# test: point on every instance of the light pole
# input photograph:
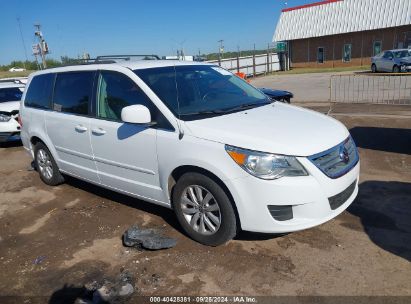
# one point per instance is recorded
(220, 51)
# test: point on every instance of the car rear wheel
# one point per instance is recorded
(373, 68)
(204, 210)
(46, 165)
(396, 69)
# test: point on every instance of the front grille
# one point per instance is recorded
(339, 199)
(281, 213)
(338, 160)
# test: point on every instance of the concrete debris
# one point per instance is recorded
(126, 290)
(39, 260)
(31, 167)
(147, 238)
(118, 290)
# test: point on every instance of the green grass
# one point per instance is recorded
(7, 74)
(323, 70)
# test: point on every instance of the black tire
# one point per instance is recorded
(52, 177)
(373, 68)
(396, 69)
(228, 224)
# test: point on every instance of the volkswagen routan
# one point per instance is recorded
(192, 137)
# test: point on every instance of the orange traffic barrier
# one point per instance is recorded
(242, 76)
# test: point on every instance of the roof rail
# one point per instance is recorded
(127, 57)
(107, 59)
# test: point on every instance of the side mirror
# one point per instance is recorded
(136, 114)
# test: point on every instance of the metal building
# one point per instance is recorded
(343, 32)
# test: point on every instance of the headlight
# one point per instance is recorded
(4, 118)
(266, 165)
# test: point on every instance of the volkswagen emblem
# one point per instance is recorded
(344, 156)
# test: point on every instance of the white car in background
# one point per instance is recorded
(10, 96)
(14, 69)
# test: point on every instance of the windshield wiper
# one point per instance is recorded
(229, 110)
(205, 112)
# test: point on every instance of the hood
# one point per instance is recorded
(9, 106)
(276, 128)
(275, 93)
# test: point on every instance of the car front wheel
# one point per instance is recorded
(204, 210)
(396, 69)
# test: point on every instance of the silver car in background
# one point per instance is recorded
(395, 61)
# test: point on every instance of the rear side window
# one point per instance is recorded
(39, 91)
(73, 92)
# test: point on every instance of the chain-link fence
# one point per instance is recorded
(378, 88)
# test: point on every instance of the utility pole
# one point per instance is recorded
(220, 51)
(41, 45)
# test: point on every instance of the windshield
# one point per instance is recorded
(401, 54)
(10, 94)
(193, 91)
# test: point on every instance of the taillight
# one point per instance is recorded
(20, 121)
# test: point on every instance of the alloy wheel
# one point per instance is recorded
(44, 164)
(200, 210)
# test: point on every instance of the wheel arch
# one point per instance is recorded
(35, 138)
(181, 170)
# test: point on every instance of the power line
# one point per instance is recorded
(22, 40)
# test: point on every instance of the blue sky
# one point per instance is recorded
(72, 27)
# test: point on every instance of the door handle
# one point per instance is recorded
(98, 131)
(80, 128)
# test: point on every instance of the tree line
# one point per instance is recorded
(33, 65)
(65, 60)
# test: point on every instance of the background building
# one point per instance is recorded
(343, 32)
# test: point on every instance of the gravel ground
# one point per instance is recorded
(54, 240)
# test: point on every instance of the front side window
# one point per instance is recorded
(116, 91)
(320, 55)
(388, 55)
(192, 91)
(376, 49)
(73, 92)
(10, 94)
(39, 91)
(347, 52)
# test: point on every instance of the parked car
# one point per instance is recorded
(274, 95)
(396, 61)
(15, 69)
(194, 138)
(278, 95)
(10, 96)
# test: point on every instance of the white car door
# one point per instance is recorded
(68, 126)
(125, 154)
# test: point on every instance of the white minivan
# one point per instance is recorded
(192, 137)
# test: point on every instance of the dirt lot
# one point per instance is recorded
(74, 231)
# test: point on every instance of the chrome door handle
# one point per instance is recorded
(80, 128)
(98, 131)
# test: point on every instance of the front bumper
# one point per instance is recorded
(9, 131)
(308, 196)
(7, 136)
(406, 68)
